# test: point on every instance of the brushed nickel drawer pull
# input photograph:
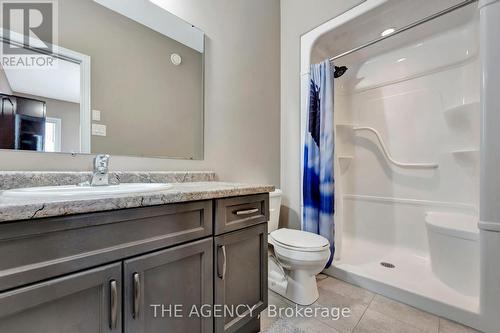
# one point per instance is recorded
(137, 295)
(224, 263)
(113, 302)
(247, 212)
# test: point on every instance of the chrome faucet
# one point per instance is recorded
(100, 176)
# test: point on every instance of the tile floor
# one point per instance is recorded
(370, 313)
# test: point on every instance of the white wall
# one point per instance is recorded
(421, 120)
(4, 83)
(297, 18)
(241, 103)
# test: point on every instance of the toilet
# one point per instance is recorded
(295, 258)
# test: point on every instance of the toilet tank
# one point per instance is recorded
(274, 210)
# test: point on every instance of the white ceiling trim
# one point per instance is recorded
(158, 19)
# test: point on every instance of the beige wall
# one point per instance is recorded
(297, 18)
(150, 106)
(241, 99)
(69, 113)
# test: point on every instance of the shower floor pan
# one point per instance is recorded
(400, 274)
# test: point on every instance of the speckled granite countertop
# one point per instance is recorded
(18, 179)
(187, 186)
(21, 209)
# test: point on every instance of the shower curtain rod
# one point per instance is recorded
(405, 28)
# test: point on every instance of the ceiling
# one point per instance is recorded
(61, 82)
(369, 26)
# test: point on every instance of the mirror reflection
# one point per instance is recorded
(117, 80)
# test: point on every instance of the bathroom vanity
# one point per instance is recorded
(167, 267)
(122, 251)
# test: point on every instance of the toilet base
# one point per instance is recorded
(299, 286)
(302, 288)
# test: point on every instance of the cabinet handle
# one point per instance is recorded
(113, 302)
(247, 212)
(224, 262)
(137, 295)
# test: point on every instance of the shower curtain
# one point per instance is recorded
(318, 178)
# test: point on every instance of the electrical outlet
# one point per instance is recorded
(98, 130)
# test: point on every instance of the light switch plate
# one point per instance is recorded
(98, 129)
(96, 115)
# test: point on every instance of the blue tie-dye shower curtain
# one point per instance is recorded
(318, 179)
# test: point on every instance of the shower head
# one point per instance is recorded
(339, 71)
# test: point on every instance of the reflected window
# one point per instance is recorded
(53, 135)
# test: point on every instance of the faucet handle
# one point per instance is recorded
(101, 163)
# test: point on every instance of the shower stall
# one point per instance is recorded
(414, 160)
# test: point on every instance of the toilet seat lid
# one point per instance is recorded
(300, 239)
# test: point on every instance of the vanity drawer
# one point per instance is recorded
(240, 212)
(37, 250)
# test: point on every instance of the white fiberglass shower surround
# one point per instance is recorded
(416, 152)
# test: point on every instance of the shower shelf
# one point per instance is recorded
(467, 107)
(466, 153)
(344, 161)
(388, 155)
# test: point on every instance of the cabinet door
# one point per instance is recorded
(7, 121)
(240, 276)
(86, 302)
(162, 288)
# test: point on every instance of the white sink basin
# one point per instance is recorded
(82, 192)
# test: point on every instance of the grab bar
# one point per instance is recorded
(388, 155)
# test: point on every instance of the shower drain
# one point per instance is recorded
(388, 265)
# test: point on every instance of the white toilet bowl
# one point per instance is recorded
(298, 257)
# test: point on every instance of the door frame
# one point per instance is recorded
(58, 132)
(84, 61)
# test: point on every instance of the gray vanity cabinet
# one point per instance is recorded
(85, 302)
(236, 213)
(164, 290)
(141, 270)
(241, 277)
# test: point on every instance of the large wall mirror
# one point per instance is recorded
(122, 77)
